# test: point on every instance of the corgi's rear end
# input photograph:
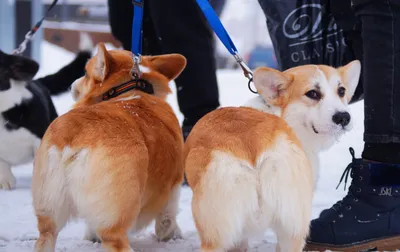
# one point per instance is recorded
(250, 170)
(244, 181)
(117, 163)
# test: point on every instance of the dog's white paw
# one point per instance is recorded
(7, 180)
(167, 229)
(90, 235)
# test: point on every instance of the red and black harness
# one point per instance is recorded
(138, 84)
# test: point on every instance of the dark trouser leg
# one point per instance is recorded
(176, 26)
(351, 27)
(218, 6)
(120, 14)
(381, 44)
(367, 218)
(183, 29)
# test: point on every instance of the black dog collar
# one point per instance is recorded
(139, 84)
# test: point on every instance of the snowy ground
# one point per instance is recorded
(18, 224)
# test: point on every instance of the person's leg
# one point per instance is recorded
(369, 216)
(176, 27)
(183, 29)
(120, 20)
(120, 15)
(218, 6)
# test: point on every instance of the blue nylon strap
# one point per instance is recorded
(137, 27)
(217, 26)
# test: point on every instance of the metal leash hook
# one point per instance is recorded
(22, 47)
(29, 35)
(246, 71)
(135, 71)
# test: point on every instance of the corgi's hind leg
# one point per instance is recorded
(288, 242)
(242, 247)
(166, 226)
(220, 210)
(50, 199)
(113, 222)
(113, 199)
(48, 229)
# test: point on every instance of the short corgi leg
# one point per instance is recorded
(243, 247)
(115, 197)
(219, 209)
(115, 239)
(50, 200)
(91, 235)
(48, 229)
(286, 242)
(206, 248)
(166, 226)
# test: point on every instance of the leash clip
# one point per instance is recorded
(138, 3)
(135, 72)
(246, 71)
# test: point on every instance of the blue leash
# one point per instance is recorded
(223, 35)
(136, 47)
(212, 19)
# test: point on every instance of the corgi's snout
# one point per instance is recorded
(341, 118)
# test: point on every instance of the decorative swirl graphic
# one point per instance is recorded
(301, 24)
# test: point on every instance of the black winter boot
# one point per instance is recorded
(367, 218)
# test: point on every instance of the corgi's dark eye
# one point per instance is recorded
(341, 92)
(314, 95)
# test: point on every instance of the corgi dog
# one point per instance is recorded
(115, 160)
(254, 167)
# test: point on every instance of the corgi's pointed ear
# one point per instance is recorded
(169, 65)
(102, 63)
(271, 84)
(350, 74)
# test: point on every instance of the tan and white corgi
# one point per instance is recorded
(115, 159)
(251, 170)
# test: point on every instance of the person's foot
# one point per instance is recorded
(367, 218)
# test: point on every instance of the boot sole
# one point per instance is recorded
(385, 244)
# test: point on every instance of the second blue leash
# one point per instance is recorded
(136, 47)
(223, 35)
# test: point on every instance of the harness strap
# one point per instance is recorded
(138, 84)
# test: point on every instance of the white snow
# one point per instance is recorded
(18, 224)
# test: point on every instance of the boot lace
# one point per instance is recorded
(350, 197)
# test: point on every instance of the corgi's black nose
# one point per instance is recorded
(341, 118)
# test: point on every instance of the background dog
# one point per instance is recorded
(26, 107)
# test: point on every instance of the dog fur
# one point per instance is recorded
(118, 163)
(255, 167)
(26, 107)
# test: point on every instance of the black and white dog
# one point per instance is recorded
(26, 107)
